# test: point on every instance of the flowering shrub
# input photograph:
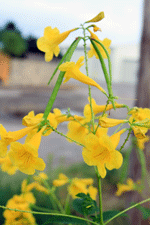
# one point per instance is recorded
(89, 131)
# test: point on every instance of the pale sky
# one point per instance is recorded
(122, 23)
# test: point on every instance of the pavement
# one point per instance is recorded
(16, 102)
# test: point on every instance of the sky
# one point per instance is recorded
(122, 23)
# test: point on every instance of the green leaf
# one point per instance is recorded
(85, 205)
(66, 219)
(67, 56)
(145, 211)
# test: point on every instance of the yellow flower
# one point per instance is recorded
(78, 186)
(8, 137)
(98, 108)
(97, 18)
(138, 115)
(125, 187)
(29, 197)
(100, 151)
(141, 142)
(7, 165)
(25, 187)
(72, 71)
(106, 42)
(39, 187)
(25, 156)
(32, 120)
(95, 28)
(62, 180)
(16, 217)
(42, 176)
(107, 122)
(92, 192)
(49, 43)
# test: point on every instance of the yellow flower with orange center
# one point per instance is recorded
(49, 43)
(106, 42)
(100, 150)
(72, 71)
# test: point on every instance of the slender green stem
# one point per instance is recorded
(87, 73)
(143, 165)
(131, 207)
(108, 57)
(66, 136)
(50, 214)
(42, 208)
(67, 202)
(130, 130)
(100, 196)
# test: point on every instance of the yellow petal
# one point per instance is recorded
(107, 122)
(115, 138)
(97, 18)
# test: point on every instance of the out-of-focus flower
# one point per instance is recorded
(49, 43)
(101, 151)
(125, 187)
(78, 186)
(95, 28)
(62, 180)
(72, 71)
(92, 192)
(7, 165)
(108, 122)
(42, 176)
(141, 142)
(25, 156)
(106, 42)
(16, 217)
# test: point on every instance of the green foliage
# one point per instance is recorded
(84, 204)
(13, 44)
(145, 211)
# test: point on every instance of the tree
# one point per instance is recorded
(143, 100)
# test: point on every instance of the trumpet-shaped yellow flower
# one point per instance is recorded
(100, 151)
(107, 122)
(106, 42)
(33, 120)
(8, 137)
(62, 180)
(125, 187)
(49, 43)
(72, 71)
(141, 142)
(78, 186)
(7, 165)
(25, 156)
(41, 177)
(98, 108)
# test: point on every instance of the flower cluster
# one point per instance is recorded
(76, 185)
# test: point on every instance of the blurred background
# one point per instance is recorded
(24, 73)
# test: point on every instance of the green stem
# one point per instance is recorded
(42, 208)
(108, 57)
(111, 97)
(87, 73)
(143, 165)
(130, 130)
(100, 197)
(53, 95)
(59, 80)
(131, 207)
(66, 136)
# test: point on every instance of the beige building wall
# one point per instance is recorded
(32, 71)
